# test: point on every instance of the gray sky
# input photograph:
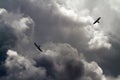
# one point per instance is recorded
(73, 48)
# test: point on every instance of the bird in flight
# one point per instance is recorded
(38, 47)
(97, 21)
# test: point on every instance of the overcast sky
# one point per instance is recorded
(73, 47)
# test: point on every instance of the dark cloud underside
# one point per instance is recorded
(73, 48)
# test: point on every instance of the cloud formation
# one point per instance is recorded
(74, 48)
(64, 66)
(97, 38)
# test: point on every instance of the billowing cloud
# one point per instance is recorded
(19, 67)
(22, 27)
(73, 48)
(49, 66)
(16, 20)
(97, 38)
(45, 66)
(12, 29)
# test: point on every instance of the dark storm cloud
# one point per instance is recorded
(7, 41)
(74, 70)
(55, 63)
(45, 66)
(60, 66)
(70, 69)
(53, 23)
(9, 34)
